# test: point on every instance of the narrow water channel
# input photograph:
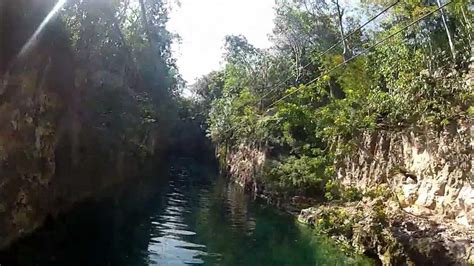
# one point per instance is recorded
(195, 219)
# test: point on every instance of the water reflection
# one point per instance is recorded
(197, 219)
(172, 240)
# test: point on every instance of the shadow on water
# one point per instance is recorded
(194, 218)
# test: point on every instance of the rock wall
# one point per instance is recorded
(51, 156)
(430, 170)
(244, 164)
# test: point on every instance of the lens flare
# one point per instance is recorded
(40, 28)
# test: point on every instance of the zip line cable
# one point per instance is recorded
(337, 43)
(352, 58)
(363, 52)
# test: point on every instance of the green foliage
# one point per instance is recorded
(415, 78)
(336, 221)
(381, 190)
(304, 174)
(334, 191)
(124, 71)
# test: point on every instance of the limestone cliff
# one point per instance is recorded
(244, 165)
(68, 129)
(430, 170)
(422, 182)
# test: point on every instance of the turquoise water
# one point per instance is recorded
(195, 219)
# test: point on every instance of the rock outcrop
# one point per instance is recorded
(244, 164)
(430, 170)
(378, 228)
(426, 214)
(55, 150)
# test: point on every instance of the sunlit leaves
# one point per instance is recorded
(408, 80)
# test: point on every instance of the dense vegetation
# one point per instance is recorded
(101, 72)
(124, 61)
(304, 101)
(88, 97)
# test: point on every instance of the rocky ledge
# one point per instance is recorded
(391, 235)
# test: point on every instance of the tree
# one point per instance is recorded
(284, 100)
(448, 33)
(340, 15)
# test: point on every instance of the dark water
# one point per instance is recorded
(194, 219)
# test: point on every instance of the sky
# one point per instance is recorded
(203, 24)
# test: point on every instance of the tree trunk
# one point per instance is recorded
(448, 33)
(340, 15)
(146, 26)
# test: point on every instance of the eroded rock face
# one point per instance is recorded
(50, 155)
(36, 114)
(378, 228)
(244, 164)
(432, 170)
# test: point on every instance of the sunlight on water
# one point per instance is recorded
(196, 218)
(40, 28)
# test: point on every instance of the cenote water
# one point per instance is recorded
(194, 218)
